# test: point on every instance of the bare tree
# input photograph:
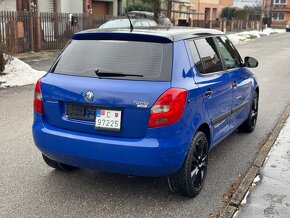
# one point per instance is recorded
(156, 9)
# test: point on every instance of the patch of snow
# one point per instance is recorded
(244, 201)
(242, 37)
(257, 179)
(271, 31)
(18, 73)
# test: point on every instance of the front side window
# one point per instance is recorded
(209, 55)
(231, 56)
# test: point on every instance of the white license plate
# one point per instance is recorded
(108, 119)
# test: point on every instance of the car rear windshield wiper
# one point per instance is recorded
(108, 73)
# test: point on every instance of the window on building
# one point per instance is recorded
(278, 16)
(280, 2)
(50, 6)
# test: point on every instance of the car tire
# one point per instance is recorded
(250, 124)
(57, 165)
(188, 181)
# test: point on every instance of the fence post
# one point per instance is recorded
(31, 31)
(38, 27)
(14, 37)
(210, 24)
(224, 26)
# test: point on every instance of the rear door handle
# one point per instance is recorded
(208, 92)
(235, 84)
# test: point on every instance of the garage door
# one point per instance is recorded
(100, 8)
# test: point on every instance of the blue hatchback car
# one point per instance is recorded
(146, 103)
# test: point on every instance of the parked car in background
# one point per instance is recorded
(146, 103)
(288, 26)
(163, 20)
(125, 23)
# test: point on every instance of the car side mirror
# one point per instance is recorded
(251, 62)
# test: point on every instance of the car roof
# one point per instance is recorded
(171, 34)
(145, 13)
(134, 18)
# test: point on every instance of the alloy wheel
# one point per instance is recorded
(199, 163)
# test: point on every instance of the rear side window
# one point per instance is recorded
(209, 55)
(195, 56)
(84, 57)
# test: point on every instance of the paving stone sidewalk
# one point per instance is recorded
(271, 196)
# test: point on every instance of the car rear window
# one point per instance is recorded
(84, 57)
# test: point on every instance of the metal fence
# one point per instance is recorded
(227, 26)
(29, 31)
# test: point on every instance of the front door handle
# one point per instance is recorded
(208, 92)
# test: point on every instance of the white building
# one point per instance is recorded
(99, 7)
(243, 3)
(7, 5)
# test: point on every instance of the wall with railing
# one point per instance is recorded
(28, 31)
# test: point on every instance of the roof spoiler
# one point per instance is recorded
(126, 36)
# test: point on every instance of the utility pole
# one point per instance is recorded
(169, 8)
(262, 13)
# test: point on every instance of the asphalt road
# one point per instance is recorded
(28, 188)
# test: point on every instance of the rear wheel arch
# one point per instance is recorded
(206, 130)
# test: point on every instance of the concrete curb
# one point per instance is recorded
(234, 203)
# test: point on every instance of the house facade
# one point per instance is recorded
(103, 7)
(201, 9)
(278, 10)
(211, 9)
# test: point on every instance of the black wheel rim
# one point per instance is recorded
(254, 111)
(199, 163)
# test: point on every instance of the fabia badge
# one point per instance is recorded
(141, 104)
(89, 96)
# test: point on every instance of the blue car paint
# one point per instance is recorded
(221, 84)
(182, 76)
(141, 150)
(154, 155)
(114, 93)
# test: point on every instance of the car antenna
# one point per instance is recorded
(131, 25)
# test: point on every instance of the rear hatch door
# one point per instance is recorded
(106, 87)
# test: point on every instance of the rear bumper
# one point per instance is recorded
(150, 156)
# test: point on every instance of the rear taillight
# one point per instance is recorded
(168, 108)
(38, 107)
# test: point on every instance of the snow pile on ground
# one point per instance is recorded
(18, 73)
(242, 37)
